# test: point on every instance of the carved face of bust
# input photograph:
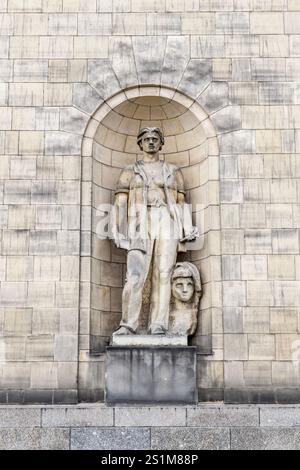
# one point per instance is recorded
(150, 142)
(183, 288)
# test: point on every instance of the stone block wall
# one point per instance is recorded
(96, 427)
(62, 62)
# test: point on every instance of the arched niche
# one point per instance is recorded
(109, 144)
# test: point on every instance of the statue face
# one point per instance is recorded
(183, 288)
(150, 142)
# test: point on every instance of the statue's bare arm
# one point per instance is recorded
(121, 209)
(121, 203)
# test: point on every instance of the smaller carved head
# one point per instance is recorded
(186, 284)
(183, 288)
(150, 139)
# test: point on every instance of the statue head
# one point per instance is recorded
(183, 288)
(150, 139)
(186, 292)
(186, 284)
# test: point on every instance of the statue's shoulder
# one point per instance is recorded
(125, 177)
(172, 168)
(128, 169)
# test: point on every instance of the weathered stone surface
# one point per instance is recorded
(195, 21)
(267, 23)
(202, 69)
(227, 119)
(129, 24)
(154, 416)
(196, 438)
(145, 375)
(227, 22)
(31, 70)
(62, 143)
(210, 417)
(94, 24)
(148, 340)
(85, 97)
(110, 439)
(102, 77)
(276, 416)
(237, 142)
(265, 439)
(214, 97)
(14, 417)
(149, 67)
(91, 427)
(89, 47)
(122, 60)
(72, 120)
(81, 416)
(34, 439)
(236, 347)
(175, 60)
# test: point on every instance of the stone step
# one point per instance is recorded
(98, 427)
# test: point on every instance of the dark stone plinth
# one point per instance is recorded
(267, 395)
(151, 375)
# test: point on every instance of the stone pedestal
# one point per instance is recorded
(149, 340)
(151, 375)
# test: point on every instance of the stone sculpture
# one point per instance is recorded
(152, 222)
(186, 293)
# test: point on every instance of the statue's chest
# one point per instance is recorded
(153, 178)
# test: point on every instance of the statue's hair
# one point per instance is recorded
(186, 269)
(144, 130)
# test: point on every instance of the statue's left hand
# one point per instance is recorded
(191, 235)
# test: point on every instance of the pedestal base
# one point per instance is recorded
(148, 375)
(148, 340)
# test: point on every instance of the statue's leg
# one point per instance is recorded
(164, 259)
(137, 270)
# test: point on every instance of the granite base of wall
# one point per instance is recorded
(97, 427)
(283, 395)
(47, 397)
(259, 396)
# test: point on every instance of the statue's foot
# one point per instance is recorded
(157, 330)
(123, 331)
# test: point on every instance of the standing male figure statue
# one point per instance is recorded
(151, 222)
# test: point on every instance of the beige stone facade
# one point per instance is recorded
(77, 81)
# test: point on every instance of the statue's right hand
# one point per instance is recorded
(123, 243)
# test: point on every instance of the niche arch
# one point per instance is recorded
(109, 144)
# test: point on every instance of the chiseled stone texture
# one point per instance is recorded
(276, 416)
(110, 438)
(34, 439)
(154, 416)
(97, 427)
(196, 438)
(77, 417)
(150, 375)
(265, 439)
(18, 417)
(208, 417)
